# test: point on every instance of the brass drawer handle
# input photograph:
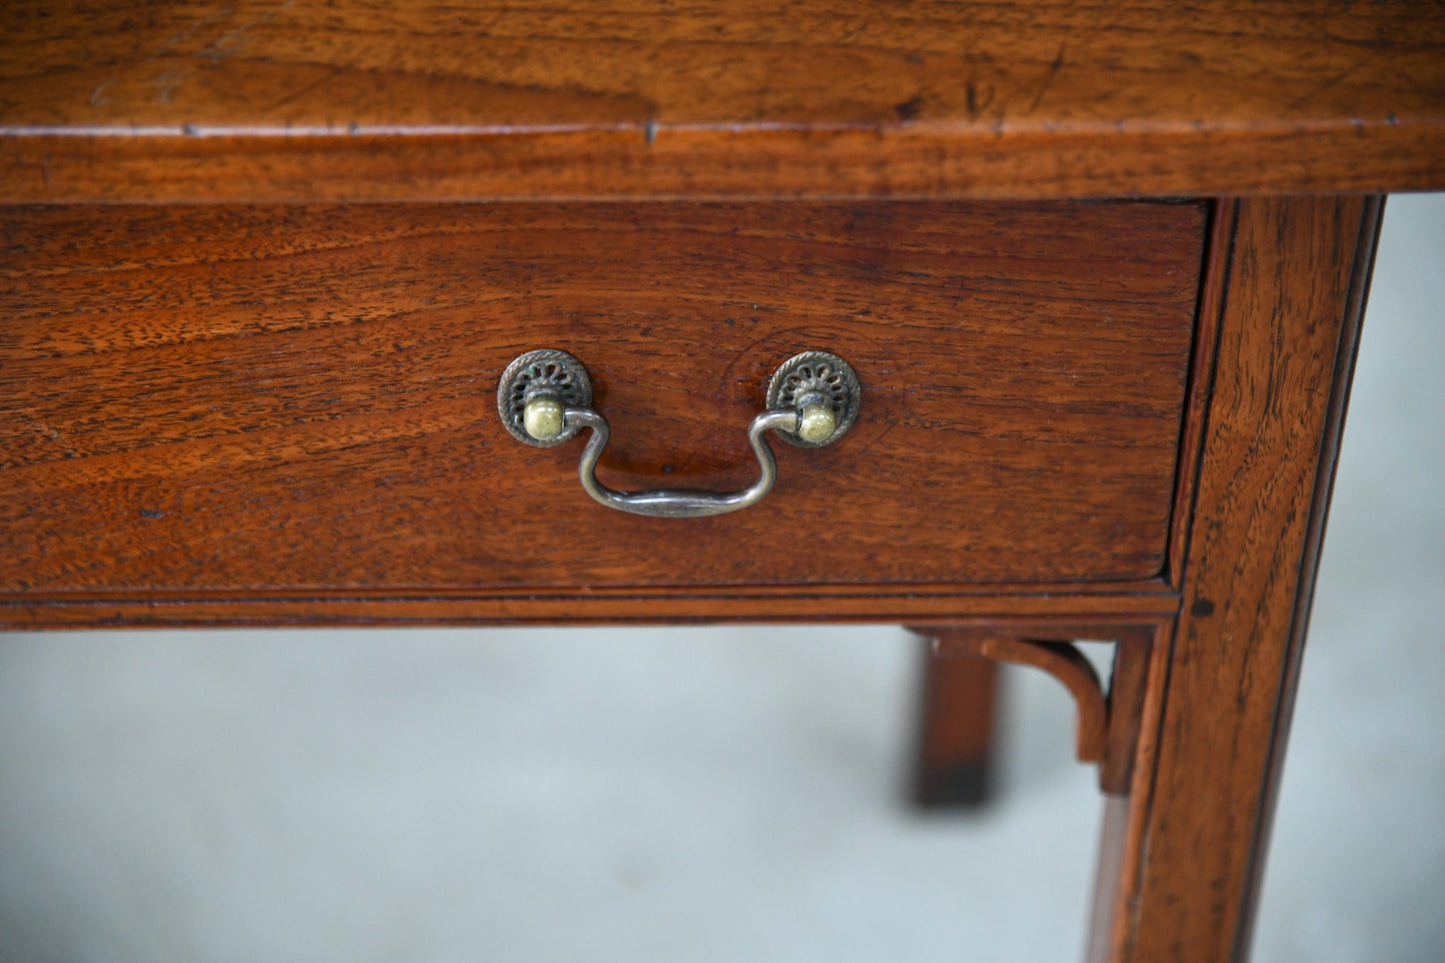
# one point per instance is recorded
(545, 398)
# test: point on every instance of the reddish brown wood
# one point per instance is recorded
(292, 401)
(1059, 659)
(886, 604)
(1119, 844)
(1193, 841)
(957, 705)
(1128, 683)
(1115, 852)
(953, 760)
(235, 414)
(827, 98)
(1201, 372)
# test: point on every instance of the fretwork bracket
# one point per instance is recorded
(1108, 716)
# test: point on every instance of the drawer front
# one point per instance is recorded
(294, 398)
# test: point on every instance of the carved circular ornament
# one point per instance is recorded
(816, 377)
(544, 373)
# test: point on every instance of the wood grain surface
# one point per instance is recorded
(955, 733)
(1062, 660)
(303, 398)
(953, 754)
(355, 100)
(881, 604)
(1198, 817)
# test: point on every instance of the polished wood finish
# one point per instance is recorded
(1193, 836)
(219, 413)
(206, 402)
(1059, 659)
(349, 100)
(1134, 651)
(953, 761)
(656, 605)
(1201, 373)
(1110, 716)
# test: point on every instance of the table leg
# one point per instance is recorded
(1183, 855)
(954, 757)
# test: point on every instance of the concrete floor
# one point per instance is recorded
(704, 795)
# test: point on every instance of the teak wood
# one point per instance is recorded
(1085, 415)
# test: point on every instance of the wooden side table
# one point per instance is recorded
(1099, 277)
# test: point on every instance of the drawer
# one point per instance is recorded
(229, 399)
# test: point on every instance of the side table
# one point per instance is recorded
(270, 273)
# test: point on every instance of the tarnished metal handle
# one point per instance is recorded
(545, 398)
(683, 502)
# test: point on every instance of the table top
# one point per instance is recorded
(621, 98)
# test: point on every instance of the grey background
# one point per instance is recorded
(709, 795)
